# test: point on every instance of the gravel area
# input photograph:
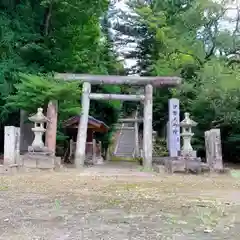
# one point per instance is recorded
(118, 202)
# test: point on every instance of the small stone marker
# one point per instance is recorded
(11, 144)
(173, 137)
(17, 145)
(214, 149)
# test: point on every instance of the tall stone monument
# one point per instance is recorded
(173, 128)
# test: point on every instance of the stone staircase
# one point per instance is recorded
(125, 146)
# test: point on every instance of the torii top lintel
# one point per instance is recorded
(118, 80)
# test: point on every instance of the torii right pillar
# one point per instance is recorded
(147, 127)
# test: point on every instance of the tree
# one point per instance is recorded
(187, 38)
(41, 37)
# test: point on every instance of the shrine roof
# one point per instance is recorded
(97, 125)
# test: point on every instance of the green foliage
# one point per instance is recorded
(41, 37)
(34, 91)
(185, 38)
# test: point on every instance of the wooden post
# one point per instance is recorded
(82, 128)
(147, 131)
(137, 154)
(71, 144)
(51, 132)
(94, 151)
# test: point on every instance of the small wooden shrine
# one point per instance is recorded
(93, 149)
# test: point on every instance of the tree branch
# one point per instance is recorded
(236, 28)
(47, 18)
(212, 35)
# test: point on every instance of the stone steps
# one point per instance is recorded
(126, 144)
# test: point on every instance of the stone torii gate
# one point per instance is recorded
(146, 98)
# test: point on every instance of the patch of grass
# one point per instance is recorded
(3, 188)
(115, 159)
(131, 186)
(113, 202)
(235, 173)
(57, 204)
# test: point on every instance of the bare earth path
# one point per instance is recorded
(112, 202)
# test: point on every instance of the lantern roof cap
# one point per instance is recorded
(39, 117)
(187, 122)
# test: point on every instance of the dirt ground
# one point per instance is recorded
(113, 202)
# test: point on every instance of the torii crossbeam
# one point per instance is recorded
(148, 82)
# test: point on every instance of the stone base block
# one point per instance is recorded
(190, 154)
(174, 166)
(186, 164)
(41, 161)
(9, 169)
(221, 171)
(159, 168)
(99, 161)
(161, 160)
(44, 163)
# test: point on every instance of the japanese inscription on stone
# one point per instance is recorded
(174, 128)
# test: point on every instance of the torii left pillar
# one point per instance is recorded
(82, 128)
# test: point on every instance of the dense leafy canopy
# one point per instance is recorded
(41, 37)
(197, 40)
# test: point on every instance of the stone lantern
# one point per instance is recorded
(39, 120)
(186, 124)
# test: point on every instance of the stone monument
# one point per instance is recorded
(173, 128)
(11, 145)
(11, 150)
(214, 149)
